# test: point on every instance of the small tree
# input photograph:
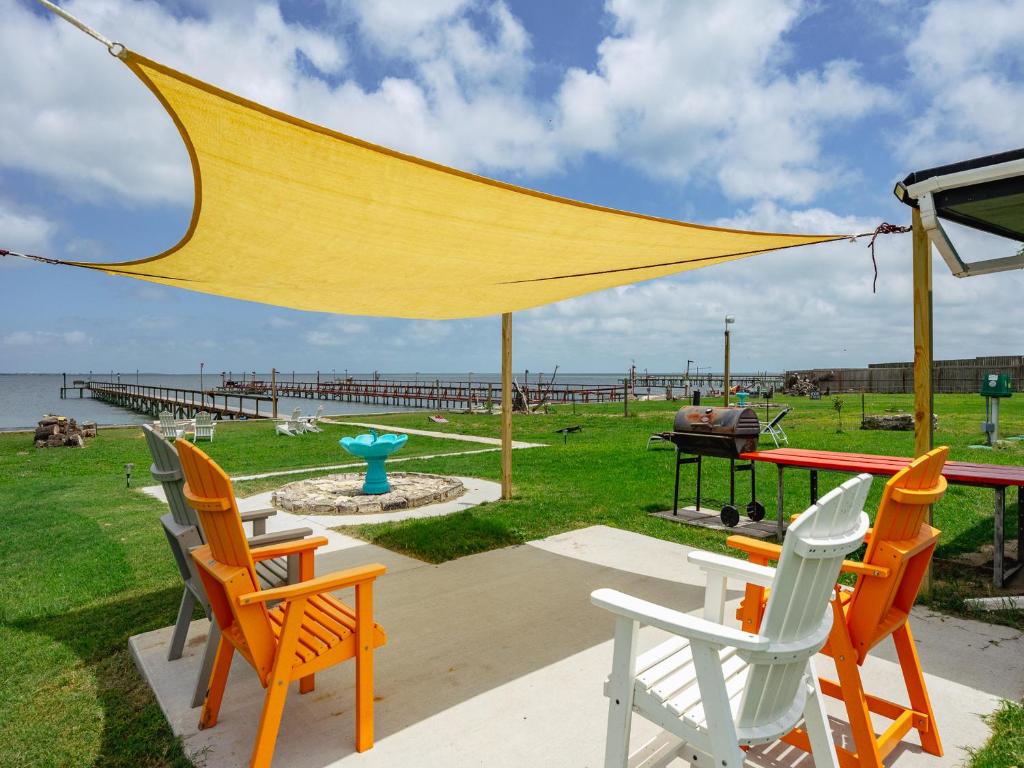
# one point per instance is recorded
(837, 403)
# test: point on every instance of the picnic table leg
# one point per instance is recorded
(814, 486)
(998, 567)
(779, 490)
(1020, 525)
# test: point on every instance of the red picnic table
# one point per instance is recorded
(994, 476)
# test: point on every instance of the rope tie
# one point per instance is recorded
(31, 257)
(885, 228)
(114, 48)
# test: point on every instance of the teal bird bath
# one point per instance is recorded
(375, 449)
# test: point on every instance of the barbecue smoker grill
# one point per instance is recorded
(723, 433)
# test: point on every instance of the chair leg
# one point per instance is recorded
(209, 654)
(819, 733)
(270, 722)
(918, 694)
(364, 667)
(218, 681)
(277, 685)
(620, 694)
(307, 684)
(845, 657)
(188, 604)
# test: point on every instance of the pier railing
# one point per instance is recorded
(182, 403)
(426, 394)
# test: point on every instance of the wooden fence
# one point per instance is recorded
(948, 376)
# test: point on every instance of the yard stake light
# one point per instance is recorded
(128, 475)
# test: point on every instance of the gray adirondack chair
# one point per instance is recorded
(184, 532)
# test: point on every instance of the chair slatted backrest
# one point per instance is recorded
(166, 468)
(901, 541)
(797, 619)
(203, 419)
(226, 565)
(167, 424)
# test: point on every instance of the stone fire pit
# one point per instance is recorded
(343, 494)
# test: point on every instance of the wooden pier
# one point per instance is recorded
(437, 394)
(181, 403)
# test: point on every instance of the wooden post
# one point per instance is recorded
(273, 391)
(506, 405)
(923, 399)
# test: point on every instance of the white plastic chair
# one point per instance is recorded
(291, 426)
(774, 427)
(205, 426)
(310, 422)
(170, 427)
(714, 689)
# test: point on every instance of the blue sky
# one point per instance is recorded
(773, 114)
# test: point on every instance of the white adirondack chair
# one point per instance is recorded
(205, 426)
(170, 427)
(311, 421)
(291, 426)
(715, 689)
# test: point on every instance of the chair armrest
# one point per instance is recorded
(257, 514)
(278, 537)
(763, 549)
(676, 622)
(864, 569)
(287, 548)
(724, 565)
(755, 547)
(317, 586)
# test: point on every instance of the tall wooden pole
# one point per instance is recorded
(506, 405)
(273, 390)
(923, 399)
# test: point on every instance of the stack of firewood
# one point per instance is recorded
(801, 385)
(60, 431)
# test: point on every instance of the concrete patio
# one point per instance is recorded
(498, 659)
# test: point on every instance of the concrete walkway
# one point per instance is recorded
(498, 660)
(445, 435)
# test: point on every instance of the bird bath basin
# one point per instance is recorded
(375, 449)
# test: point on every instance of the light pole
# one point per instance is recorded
(201, 395)
(729, 320)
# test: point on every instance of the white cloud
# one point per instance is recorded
(337, 332)
(45, 339)
(22, 230)
(697, 90)
(809, 306)
(681, 91)
(967, 61)
(78, 116)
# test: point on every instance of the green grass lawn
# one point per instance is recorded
(86, 565)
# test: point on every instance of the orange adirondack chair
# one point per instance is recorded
(899, 548)
(307, 631)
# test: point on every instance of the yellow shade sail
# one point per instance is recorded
(292, 214)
